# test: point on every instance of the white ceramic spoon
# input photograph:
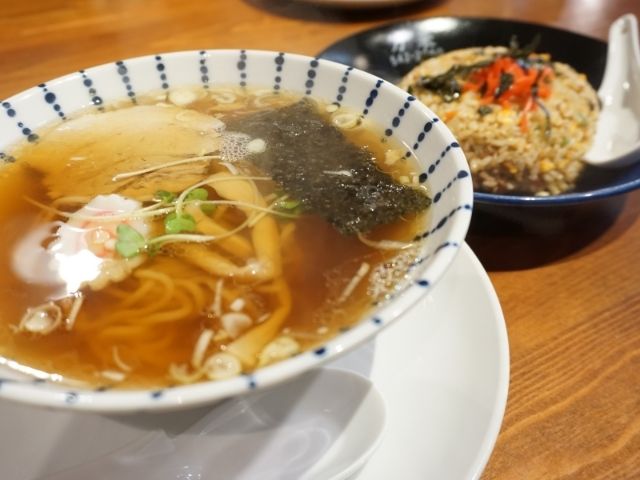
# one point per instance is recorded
(617, 139)
(322, 426)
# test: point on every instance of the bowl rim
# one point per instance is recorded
(571, 198)
(116, 400)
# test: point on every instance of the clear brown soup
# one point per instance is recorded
(150, 322)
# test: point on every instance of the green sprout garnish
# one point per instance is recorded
(129, 241)
(164, 196)
(201, 195)
(197, 194)
(174, 223)
(152, 249)
(289, 205)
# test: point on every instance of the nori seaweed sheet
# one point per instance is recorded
(302, 148)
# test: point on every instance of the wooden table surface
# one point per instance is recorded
(569, 286)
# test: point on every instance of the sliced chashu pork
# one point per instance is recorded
(83, 155)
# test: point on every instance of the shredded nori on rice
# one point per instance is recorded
(317, 165)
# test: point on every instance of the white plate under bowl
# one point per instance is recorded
(443, 372)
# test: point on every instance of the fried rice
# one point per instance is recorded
(542, 159)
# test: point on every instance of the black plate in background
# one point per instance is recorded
(391, 50)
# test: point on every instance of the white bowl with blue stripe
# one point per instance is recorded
(443, 168)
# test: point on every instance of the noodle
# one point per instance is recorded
(194, 291)
(139, 294)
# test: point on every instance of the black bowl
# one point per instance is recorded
(391, 50)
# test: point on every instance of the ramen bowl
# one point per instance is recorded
(442, 166)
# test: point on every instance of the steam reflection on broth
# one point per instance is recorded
(143, 246)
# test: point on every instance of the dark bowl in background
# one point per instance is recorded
(507, 231)
(390, 51)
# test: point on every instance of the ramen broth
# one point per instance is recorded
(165, 318)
